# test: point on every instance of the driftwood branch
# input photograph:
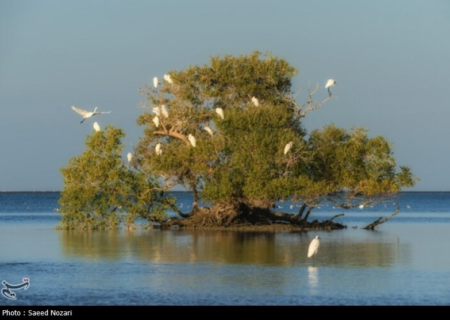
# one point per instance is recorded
(380, 220)
(336, 216)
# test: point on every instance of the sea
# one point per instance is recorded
(403, 262)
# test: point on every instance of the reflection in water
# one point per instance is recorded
(313, 278)
(231, 247)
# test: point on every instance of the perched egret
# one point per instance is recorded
(192, 140)
(155, 82)
(156, 121)
(288, 147)
(330, 83)
(87, 114)
(361, 206)
(255, 101)
(97, 127)
(129, 156)
(208, 129)
(164, 111)
(219, 111)
(168, 78)
(156, 111)
(158, 149)
(313, 247)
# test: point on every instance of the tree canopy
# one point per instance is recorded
(231, 132)
(101, 190)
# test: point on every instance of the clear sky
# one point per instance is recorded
(390, 58)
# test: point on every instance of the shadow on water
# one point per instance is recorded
(229, 247)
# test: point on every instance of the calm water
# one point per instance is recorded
(404, 262)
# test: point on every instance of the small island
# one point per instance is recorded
(231, 133)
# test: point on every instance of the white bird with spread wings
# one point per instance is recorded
(87, 114)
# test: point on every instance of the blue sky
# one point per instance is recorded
(390, 58)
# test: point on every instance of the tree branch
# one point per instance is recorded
(173, 134)
(380, 220)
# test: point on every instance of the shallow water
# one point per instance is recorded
(405, 262)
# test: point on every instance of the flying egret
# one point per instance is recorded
(97, 127)
(313, 247)
(87, 114)
(219, 111)
(208, 129)
(155, 82)
(156, 121)
(158, 149)
(129, 156)
(192, 140)
(288, 147)
(255, 101)
(164, 111)
(168, 78)
(330, 83)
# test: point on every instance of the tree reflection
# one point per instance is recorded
(230, 247)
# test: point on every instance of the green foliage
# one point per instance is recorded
(100, 190)
(240, 161)
(354, 167)
(244, 160)
(245, 155)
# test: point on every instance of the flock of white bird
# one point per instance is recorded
(163, 112)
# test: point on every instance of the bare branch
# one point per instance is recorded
(380, 220)
(336, 216)
(173, 134)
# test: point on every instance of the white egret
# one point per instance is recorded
(164, 111)
(158, 149)
(87, 114)
(208, 129)
(192, 140)
(219, 111)
(97, 127)
(330, 83)
(361, 206)
(288, 147)
(156, 121)
(313, 247)
(168, 78)
(156, 111)
(255, 101)
(155, 82)
(129, 156)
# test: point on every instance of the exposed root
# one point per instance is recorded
(242, 217)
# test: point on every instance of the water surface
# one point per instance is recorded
(404, 262)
